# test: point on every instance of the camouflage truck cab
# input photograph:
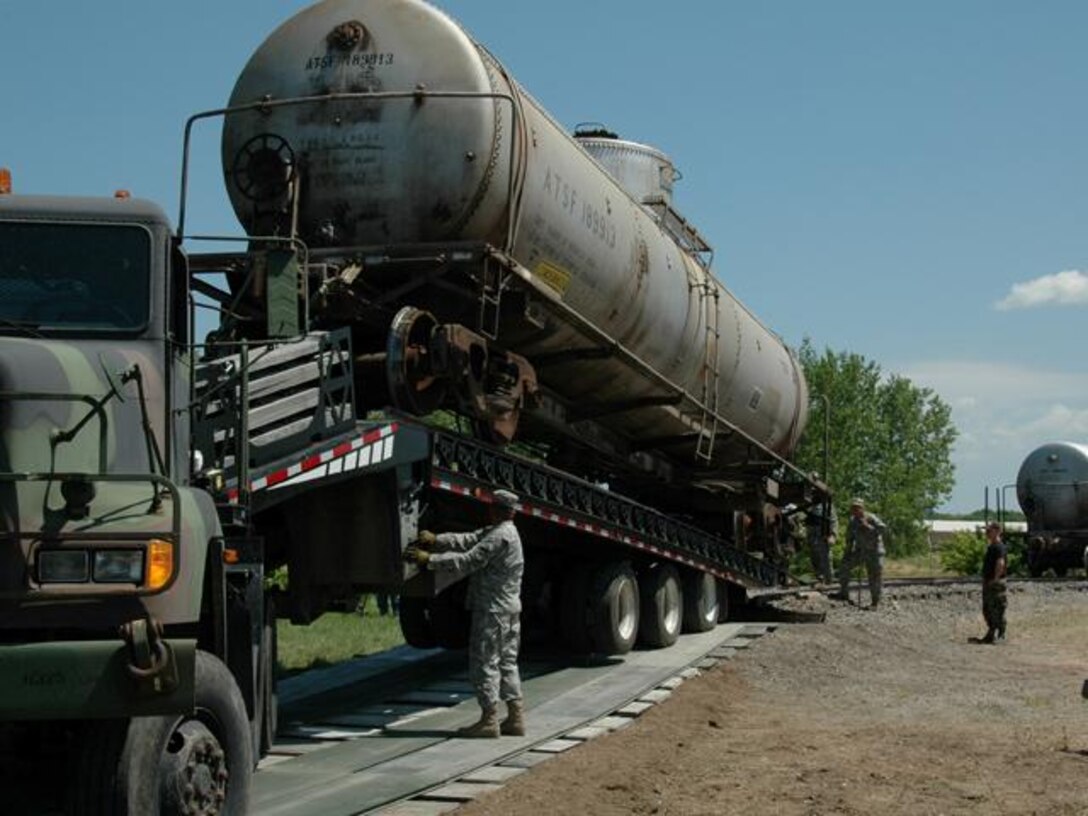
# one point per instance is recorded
(103, 542)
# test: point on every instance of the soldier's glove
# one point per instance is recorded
(426, 539)
(416, 555)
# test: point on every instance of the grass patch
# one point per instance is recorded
(925, 565)
(335, 637)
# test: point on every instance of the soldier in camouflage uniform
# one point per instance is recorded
(994, 598)
(821, 535)
(493, 558)
(865, 544)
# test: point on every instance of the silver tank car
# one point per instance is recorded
(450, 148)
(1052, 488)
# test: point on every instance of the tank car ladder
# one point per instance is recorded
(492, 282)
(708, 421)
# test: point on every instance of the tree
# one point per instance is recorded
(891, 442)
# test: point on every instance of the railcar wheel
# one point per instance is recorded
(615, 609)
(201, 763)
(701, 605)
(662, 607)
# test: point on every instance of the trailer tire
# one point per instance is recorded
(732, 598)
(141, 766)
(415, 622)
(701, 603)
(662, 607)
(573, 610)
(450, 620)
(615, 609)
(724, 609)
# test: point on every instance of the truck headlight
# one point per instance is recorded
(63, 567)
(119, 566)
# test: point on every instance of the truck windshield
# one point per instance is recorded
(74, 277)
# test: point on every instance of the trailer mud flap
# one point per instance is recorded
(87, 679)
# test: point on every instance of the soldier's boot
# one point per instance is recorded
(514, 724)
(988, 637)
(487, 726)
(1001, 632)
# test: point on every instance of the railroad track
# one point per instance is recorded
(377, 735)
(909, 587)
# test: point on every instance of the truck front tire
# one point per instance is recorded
(171, 765)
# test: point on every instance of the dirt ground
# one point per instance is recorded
(870, 712)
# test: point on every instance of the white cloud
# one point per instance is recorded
(1059, 422)
(972, 383)
(1003, 412)
(1066, 288)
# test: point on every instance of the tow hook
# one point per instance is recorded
(151, 663)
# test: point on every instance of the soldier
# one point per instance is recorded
(864, 543)
(493, 558)
(994, 599)
(821, 535)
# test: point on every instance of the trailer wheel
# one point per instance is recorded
(415, 622)
(573, 612)
(615, 606)
(662, 607)
(198, 763)
(701, 604)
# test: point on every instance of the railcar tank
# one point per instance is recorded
(447, 147)
(1052, 488)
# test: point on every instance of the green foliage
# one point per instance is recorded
(890, 442)
(276, 578)
(962, 553)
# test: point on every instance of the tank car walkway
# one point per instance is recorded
(382, 741)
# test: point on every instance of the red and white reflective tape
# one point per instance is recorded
(372, 448)
(592, 528)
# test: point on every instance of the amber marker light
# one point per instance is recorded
(122, 194)
(160, 563)
(231, 556)
(5, 181)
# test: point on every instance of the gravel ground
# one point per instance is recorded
(889, 711)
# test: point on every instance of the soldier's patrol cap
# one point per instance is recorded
(857, 503)
(505, 499)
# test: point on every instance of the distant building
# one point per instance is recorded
(941, 530)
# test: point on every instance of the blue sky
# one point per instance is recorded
(902, 180)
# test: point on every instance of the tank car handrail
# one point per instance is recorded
(617, 348)
(418, 94)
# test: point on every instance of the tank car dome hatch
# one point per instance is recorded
(643, 171)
